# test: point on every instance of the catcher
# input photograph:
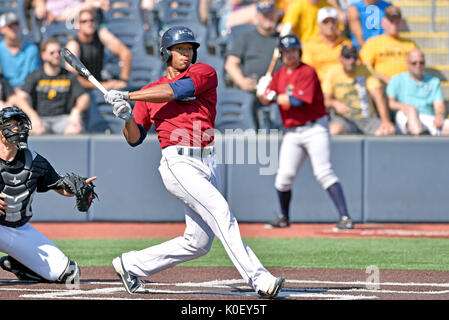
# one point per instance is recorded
(31, 255)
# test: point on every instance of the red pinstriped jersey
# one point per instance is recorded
(187, 122)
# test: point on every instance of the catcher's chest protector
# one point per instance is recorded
(19, 186)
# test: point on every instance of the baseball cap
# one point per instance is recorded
(8, 18)
(348, 50)
(265, 6)
(393, 12)
(327, 12)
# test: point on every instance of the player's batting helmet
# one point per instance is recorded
(290, 41)
(175, 35)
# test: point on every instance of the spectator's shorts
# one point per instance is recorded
(367, 126)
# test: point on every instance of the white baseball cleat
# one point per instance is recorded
(131, 283)
(274, 288)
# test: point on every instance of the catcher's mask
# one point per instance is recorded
(23, 123)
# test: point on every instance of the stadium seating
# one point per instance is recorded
(100, 118)
(234, 110)
(58, 30)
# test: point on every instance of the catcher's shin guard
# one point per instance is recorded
(10, 264)
(71, 273)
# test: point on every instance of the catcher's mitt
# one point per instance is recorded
(78, 186)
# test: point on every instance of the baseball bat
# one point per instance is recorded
(73, 60)
(285, 30)
(273, 61)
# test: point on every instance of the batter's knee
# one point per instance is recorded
(284, 181)
(199, 246)
(326, 178)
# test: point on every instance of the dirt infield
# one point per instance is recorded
(224, 283)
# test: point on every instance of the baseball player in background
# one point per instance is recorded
(31, 255)
(182, 107)
(296, 89)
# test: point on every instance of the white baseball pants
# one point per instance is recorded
(34, 250)
(194, 180)
(311, 140)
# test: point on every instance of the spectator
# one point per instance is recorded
(58, 101)
(249, 56)
(89, 46)
(323, 51)
(203, 7)
(364, 20)
(49, 11)
(418, 99)
(346, 87)
(387, 53)
(17, 57)
(301, 18)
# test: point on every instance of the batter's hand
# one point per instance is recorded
(122, 109)
(114, 95)
(262, 85)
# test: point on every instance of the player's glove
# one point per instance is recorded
(78, 186)
(262, 85)
(122, 109)
(115, 95)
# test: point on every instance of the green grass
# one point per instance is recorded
(405, 254)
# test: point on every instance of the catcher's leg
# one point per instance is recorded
(33, 252)
(10, 264)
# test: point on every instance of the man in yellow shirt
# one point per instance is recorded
(323, 51)
(301, 18)
(347, 88)
(387, 53)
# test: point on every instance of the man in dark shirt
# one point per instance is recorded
(58, 101)
(249, 55)
(6, 92)
(89, 47)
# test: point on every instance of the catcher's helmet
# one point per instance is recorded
(290, 41)
(175, 35)
(23, 122)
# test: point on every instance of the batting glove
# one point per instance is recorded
(114, 95)
(270, 95)
(122, 109)
(262, 85)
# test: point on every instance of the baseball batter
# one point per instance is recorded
(31, 255)
(182, 107)
(296, 89)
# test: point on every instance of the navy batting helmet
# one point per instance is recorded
(289, 41)
(175, 35)
(23, 122)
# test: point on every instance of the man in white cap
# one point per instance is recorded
(18, 58)
(323, 50)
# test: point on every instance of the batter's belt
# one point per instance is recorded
(196, 152)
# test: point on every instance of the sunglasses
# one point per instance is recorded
(87, 20)
(414, 63)
(350, 56)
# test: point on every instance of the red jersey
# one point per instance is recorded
(187, 122)
(303, 84)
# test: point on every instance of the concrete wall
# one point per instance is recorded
(394, 179)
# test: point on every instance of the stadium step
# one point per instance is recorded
(423, 24)
(435, 40)
(436, 56)
(417, 8)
